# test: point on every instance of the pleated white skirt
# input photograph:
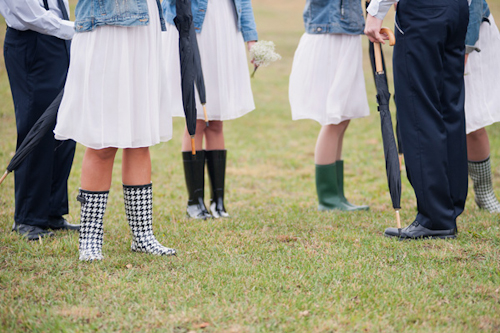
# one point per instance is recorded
(327, 83)
(114, 94)
(482, 92)
(224, 62)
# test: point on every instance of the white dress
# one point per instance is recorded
(327, 83)
(482, 71)
(224, 63)
(114, 95)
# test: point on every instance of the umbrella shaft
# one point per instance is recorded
(4, 176)
(379, 67)
(398, 219)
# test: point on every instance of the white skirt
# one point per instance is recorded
(224, 63)
(327, 83)
(482, 93)
(114, 95)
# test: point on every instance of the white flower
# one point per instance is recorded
(263, 54)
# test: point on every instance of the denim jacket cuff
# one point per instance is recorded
(250, 35)
(470, 49)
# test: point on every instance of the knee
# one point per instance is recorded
(104, 154)
(477, 136)
(215, 127)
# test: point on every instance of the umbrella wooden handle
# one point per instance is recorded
(4, 176)
(390, 34)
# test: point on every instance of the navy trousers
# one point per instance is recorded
(428, 78)
(37, 65)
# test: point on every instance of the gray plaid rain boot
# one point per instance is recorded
(480, 173)
(139, 209)
(91, 230)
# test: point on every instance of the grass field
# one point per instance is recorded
(278, 265)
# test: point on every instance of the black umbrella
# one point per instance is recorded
(390, 147)
(200, 81)
(184, 23)
(45, 123)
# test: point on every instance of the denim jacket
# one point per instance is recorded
(334, 16)
(90, 14)
(478, 12)
(244, 11)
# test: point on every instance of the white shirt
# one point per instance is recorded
(379, 8)
(32, 15)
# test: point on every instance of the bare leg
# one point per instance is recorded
(329, 144)
(97, 168)
(214, 136)
(136, 166)
(478, 145)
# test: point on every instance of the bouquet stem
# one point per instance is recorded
(254, 70)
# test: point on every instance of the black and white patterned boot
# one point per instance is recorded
(91, 230)
(480, 173)
(139, 209)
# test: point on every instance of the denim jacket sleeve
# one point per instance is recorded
(246, 19)
(475, 19)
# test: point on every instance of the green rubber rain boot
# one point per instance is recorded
(340, 179)
(330, 189)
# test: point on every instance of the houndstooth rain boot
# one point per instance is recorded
(139, 209)
(480, 173)
(91, 229)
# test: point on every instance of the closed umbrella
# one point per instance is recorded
(184, 23)
(390, 148)
(45, 123)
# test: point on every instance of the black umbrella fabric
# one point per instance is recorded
(45, 123)
(390, 147)
(200, 81)
(184, 23)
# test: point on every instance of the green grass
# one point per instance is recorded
(278, 264)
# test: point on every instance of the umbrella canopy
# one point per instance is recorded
(390, 148)
(45, 123)
(184, 23)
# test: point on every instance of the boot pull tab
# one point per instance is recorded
(81, 199)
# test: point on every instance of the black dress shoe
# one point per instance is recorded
(417, 231)
(60, 223)
(31, 232)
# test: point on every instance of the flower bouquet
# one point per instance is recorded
(263, 54)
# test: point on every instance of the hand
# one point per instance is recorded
(372, 30)
(466, 58)
(249, 46)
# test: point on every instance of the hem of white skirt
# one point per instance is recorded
(475, 128)
(324, 122)
(232, 117)
(114, 145)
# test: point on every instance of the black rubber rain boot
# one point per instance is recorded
(194, 172)
(216, 165)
